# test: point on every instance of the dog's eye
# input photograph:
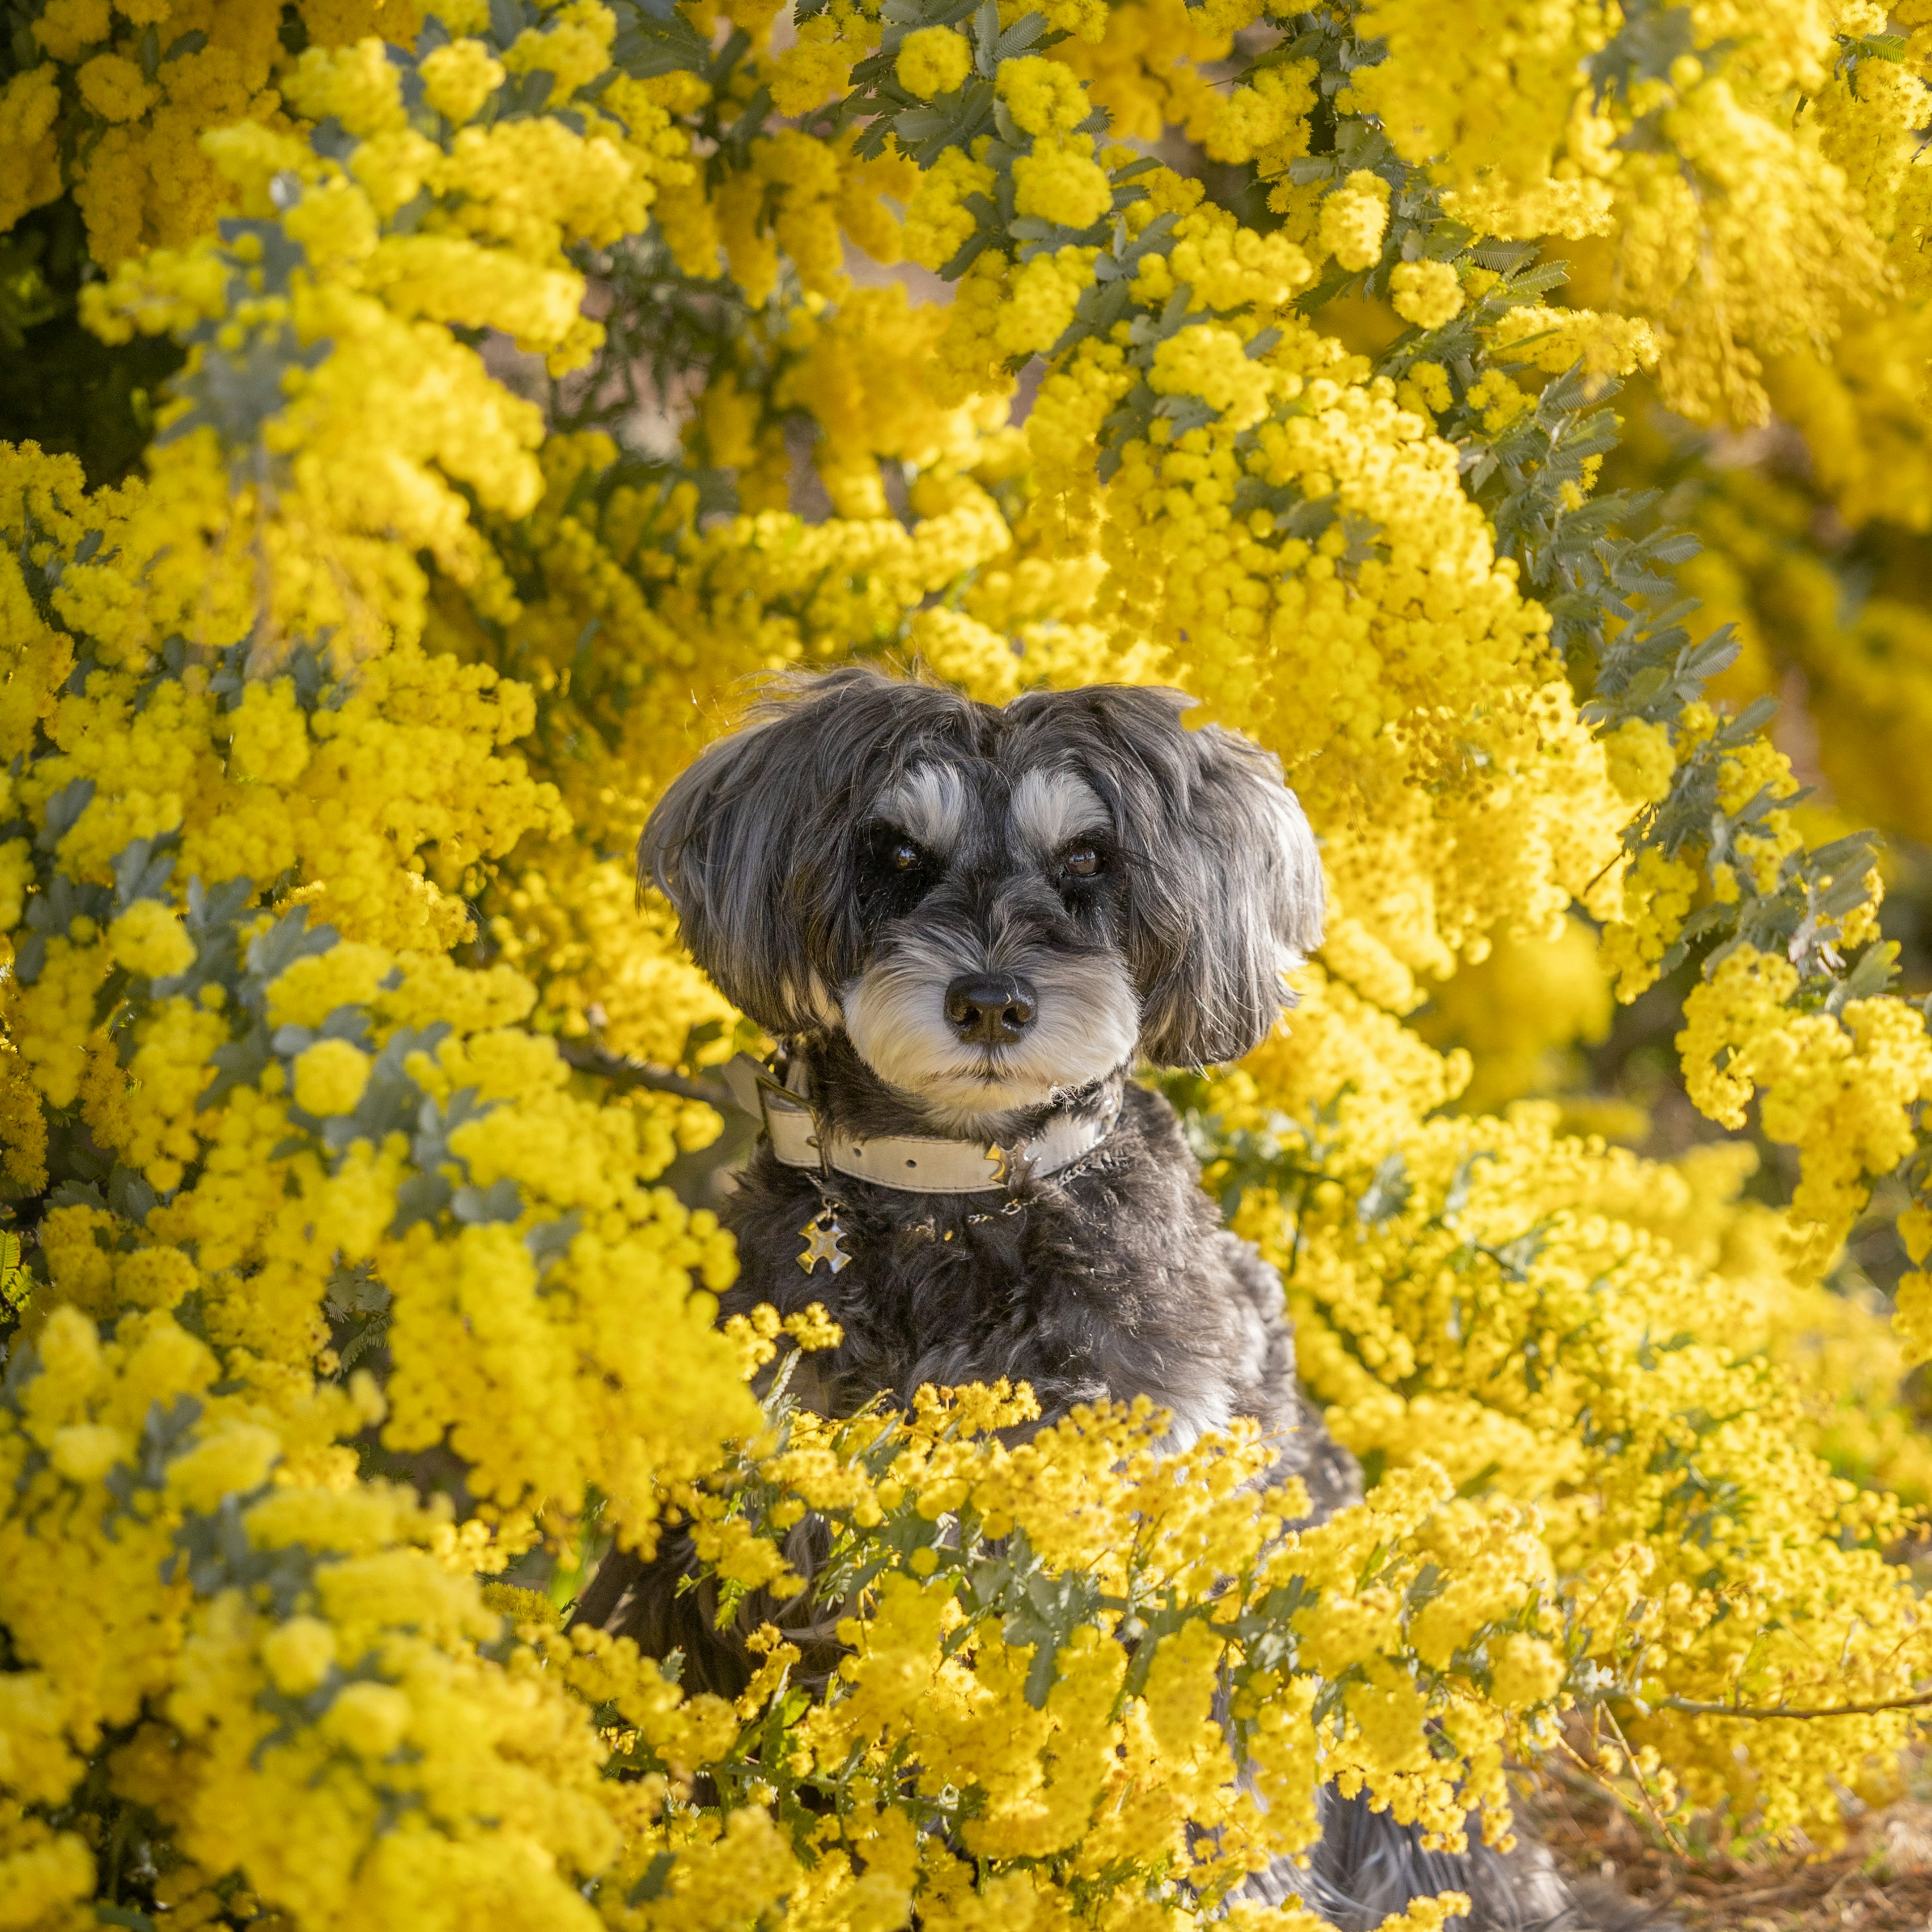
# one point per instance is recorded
(904, 854)
(1080, 862)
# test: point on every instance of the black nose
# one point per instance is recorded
(989, 1009)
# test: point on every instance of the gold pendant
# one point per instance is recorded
(823, 1234)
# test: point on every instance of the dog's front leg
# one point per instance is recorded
(654, 1601)
(667, 1608)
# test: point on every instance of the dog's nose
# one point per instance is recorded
(989, 1009)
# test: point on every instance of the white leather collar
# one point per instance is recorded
(912, 1163)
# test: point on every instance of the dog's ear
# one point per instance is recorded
(1224, 886)
(754, 843)
(724, 845)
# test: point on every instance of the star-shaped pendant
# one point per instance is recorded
(1013, 1166)
(823, 1234)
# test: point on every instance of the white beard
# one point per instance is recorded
(1087, 1020)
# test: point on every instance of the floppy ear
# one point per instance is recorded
(1225, 891)
(754, 843)
(724, 845)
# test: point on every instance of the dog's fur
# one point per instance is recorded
(837, 865)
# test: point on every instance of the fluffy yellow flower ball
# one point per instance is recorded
(1042, 97)
(84, 1451)
(48, 1878)
(1210, 362)
(369, 1718)
(1912, 1320)
(111, 85)
(154, 1277)
(330, 1077)
(458, 78)
(232, 1461)
(933, 61)
(1056, 184)
(66, 26)
(1525, 1670)
(1426, 293)
(1639, 761)
(1354, 218)
(297, 1654)
(149, 937)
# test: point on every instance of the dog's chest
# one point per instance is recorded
(1110, 1288)
(932, 1290)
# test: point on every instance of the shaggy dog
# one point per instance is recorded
(968, 925)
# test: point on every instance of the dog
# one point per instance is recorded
(968, 925)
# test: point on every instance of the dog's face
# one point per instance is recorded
(992, 904)
(997, 906)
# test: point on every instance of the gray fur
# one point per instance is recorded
(761, 845)
(1113, 1279)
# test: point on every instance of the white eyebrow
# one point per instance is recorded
(1051, 808)
(930, 803)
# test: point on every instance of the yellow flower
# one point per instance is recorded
(1212, 363)
(66, 26)
(933, 60)
(298, 1654)
(1043, 98)
(1638, 759)
(149, 937)
(1353, 218)
(1061, 185)
(1426, 293)
(84, 1452)
(112, 86)
(457, 79)
(1524, 1670)
(371, 1719)
(232, 1461)
(330, 1077)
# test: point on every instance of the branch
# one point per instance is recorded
(1690, 1708)
(1642, 1783)
(624, 1073)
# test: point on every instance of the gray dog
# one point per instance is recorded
(968, 925)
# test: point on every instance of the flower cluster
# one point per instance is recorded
(1553, 1309)
(323, 747)
(1018, 1682)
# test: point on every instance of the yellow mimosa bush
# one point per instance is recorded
(1561, 1344)
(545, 378)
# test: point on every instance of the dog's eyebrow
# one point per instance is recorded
(930, 802)
(1050, 807)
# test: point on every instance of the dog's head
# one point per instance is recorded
(996, 905)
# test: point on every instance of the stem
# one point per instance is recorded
(1691, 1709)
(1664, 1831)
(624, 1073)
